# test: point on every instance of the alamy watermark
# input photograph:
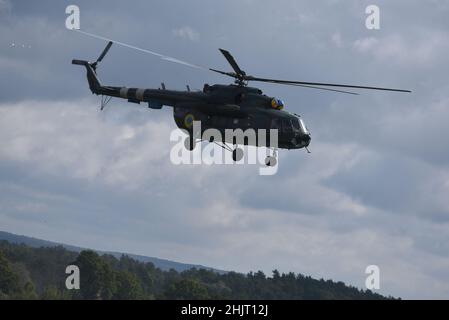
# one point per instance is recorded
(372, 22)
(372, 282)
(73, 21)
(72, 282)
(217, 151)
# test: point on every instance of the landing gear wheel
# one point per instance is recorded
(237, 154)
(189, 143)
(271, 161)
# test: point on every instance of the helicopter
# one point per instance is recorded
(224, 107)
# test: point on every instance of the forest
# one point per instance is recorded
(28, 273)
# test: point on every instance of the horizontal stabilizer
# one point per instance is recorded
(80, 62)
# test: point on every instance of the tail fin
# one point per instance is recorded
(94, 83)
(91, 68)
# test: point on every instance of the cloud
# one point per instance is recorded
(80, 143)
(5, 6)
(421, 50)
(186, 32)
(366, 44)
(337, 40)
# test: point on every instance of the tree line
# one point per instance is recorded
(39, 273)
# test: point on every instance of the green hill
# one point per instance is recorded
(159, 263)
(39, 273)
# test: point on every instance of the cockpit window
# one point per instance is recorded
(287, 125)
(295, 124)
(303, 126)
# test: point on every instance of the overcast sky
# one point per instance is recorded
(375, 189)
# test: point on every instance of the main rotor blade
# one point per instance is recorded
(163, 57)
(105, 51)
(251, 78)
(230, 74)
(327, 89)
(232, 62)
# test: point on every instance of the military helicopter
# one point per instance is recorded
(221, 107)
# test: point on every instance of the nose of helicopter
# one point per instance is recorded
(302, 140)
(306, 138)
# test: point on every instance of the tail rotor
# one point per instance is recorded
(102, 55)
